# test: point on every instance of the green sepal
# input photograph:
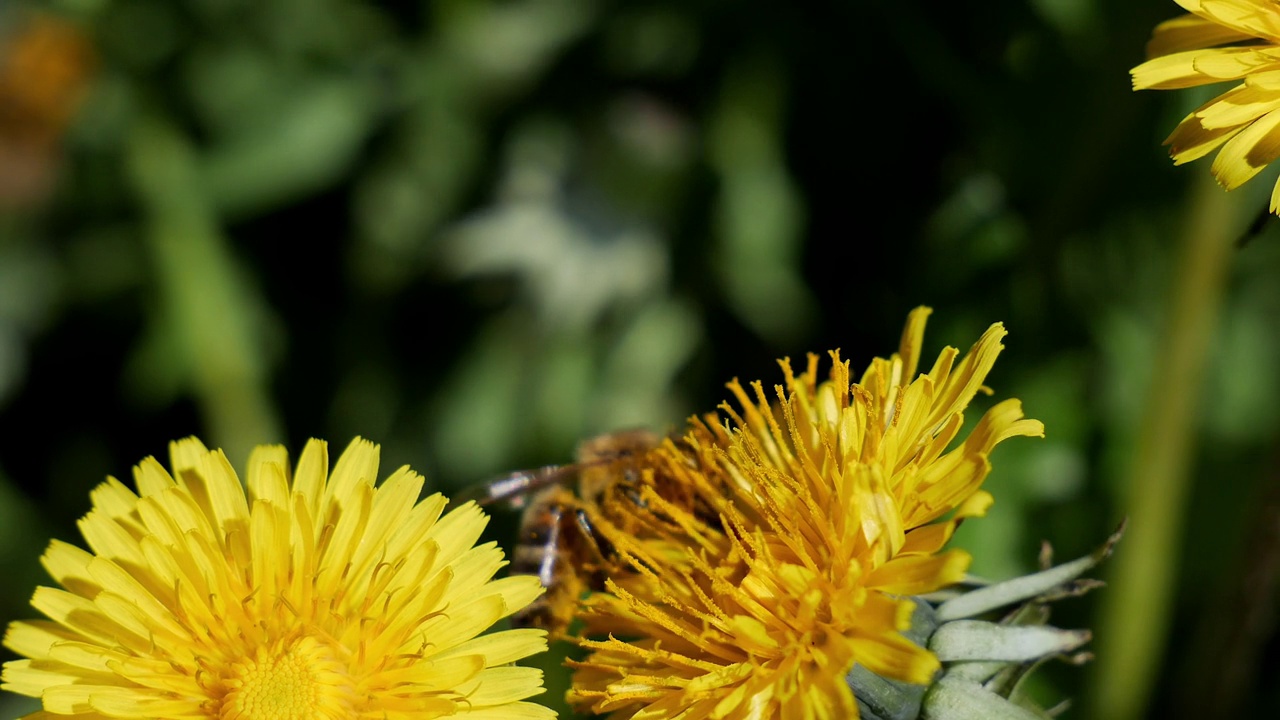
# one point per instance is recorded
(1054, 582)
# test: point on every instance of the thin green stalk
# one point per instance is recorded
(1133, 626)
(206, 307)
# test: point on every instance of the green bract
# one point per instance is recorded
(984, 662)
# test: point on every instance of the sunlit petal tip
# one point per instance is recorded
(1245, 155)
(1169, 72)
(976, 505)
(1192, 141)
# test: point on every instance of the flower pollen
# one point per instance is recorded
(300, 681)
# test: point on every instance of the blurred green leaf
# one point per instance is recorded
(310, 140)
(759, 212)
(211, 312)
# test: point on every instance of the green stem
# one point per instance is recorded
(1135, 614)
(207, 308)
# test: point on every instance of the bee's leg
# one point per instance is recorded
(538, 550)
(598, 548)
(633, 494)
(541, 553)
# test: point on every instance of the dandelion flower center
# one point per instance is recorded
(299, 681)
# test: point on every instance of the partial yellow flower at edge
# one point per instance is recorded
(317, 595)
(1220, 41)
(831, 511)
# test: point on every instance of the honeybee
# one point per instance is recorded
(560, 505)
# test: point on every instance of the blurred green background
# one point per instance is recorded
(476, 231)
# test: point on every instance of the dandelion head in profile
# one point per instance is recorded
(823, 506)
(316, 596)
(1222, 41)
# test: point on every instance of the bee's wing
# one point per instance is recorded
(513, 489)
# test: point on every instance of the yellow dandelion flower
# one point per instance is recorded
(833, 505)
(316, 596)
(1222, 41)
